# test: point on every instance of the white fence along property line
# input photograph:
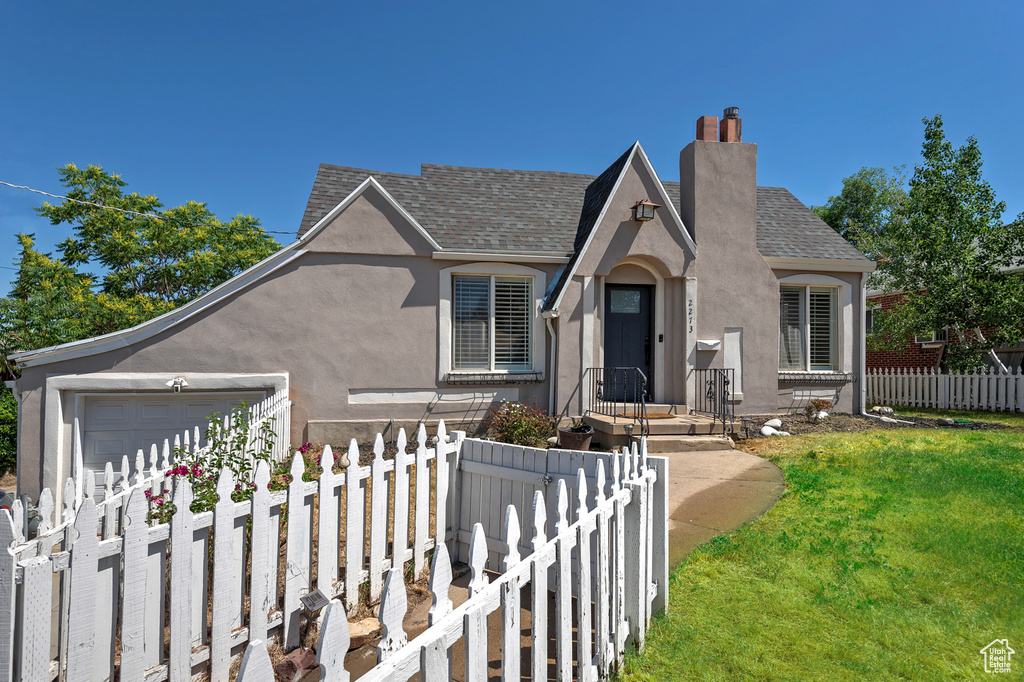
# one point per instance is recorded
(990, 390)
(611, 541)
(104, 576)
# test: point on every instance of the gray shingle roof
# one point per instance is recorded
(788, 229)
(545, 211)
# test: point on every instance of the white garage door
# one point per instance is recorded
(121, 424)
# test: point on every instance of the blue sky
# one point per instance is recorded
(236, 104)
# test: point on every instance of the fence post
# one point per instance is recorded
(354, 541)
(223, 553)
(264, 546)
(180, 662)
(510, 653)
(256, 665)
(133, 594)
(539, 591)
(378, 520)
(294, 561)
(584, 592)
(328, 543)
(563, 585)
(8, 564)
(421, 530)
(393, 605)
(475, 625)
(333, 643)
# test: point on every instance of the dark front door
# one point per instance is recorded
(628, 341)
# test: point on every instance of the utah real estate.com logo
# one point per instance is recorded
(997, 656)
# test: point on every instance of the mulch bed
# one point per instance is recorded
(797, 424)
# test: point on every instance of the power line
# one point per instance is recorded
(154, 216)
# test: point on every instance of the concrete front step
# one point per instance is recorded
(658, 444)
(673, 426)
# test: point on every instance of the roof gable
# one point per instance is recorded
(381, 225)
(599, 197)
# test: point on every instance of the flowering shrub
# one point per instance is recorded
(519, 424)
(817, 405)
(226, 447)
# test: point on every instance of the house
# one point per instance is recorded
(418, 297)
(925, 351)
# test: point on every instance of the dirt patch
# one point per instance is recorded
(9, 482)
(797, 424)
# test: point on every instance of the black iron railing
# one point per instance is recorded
(620, 392)
(714, 393)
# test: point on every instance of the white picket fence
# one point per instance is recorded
(612, 543)
(990, 390)
(136, 601)
(107, 583)
(111, 492)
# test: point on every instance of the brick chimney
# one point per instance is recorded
(731, 129)
(707, 128)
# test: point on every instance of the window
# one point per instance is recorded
(491, 323)
(931, 337)
(873, 316)
(808, 329)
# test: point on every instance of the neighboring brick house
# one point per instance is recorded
(923, 351)
(918, 353)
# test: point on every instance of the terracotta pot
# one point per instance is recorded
(575, 441)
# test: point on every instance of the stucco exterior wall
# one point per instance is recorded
(334, 322)
(735, 286)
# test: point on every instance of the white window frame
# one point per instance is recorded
(844, 320)
(445, 320)
(492, 329)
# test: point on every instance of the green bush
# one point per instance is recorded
(519, 424)
(8, 431)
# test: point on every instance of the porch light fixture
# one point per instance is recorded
(644, 210)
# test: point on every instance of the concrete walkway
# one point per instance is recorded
(716, 492)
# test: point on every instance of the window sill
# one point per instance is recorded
(492, 378)
(817, 377)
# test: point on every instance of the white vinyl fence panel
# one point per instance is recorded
(989, 390)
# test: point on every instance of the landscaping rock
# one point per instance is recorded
(885, 410)
(774, 423)
(889, 420)
(553, 441)
(296, 665)
(822, 415)
(768, 430)
(782, 433)
(947, 422)
(362, 632)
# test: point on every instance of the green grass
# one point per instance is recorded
(1013, 419)
(892, 554)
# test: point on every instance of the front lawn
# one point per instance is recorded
(892, 554)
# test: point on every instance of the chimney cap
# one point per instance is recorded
(731, 112)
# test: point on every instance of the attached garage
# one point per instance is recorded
(114, 425)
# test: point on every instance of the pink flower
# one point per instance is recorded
(158, 500)
(149, 494)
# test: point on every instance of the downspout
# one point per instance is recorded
(549, 315)
(864, 356)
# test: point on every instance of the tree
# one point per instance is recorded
(947, 247)
(151, 261)
(865, 205)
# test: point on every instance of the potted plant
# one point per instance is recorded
(577, 436)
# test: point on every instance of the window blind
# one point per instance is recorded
(791, 353)
(512, 323)
(470, 317)
(822, 326)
